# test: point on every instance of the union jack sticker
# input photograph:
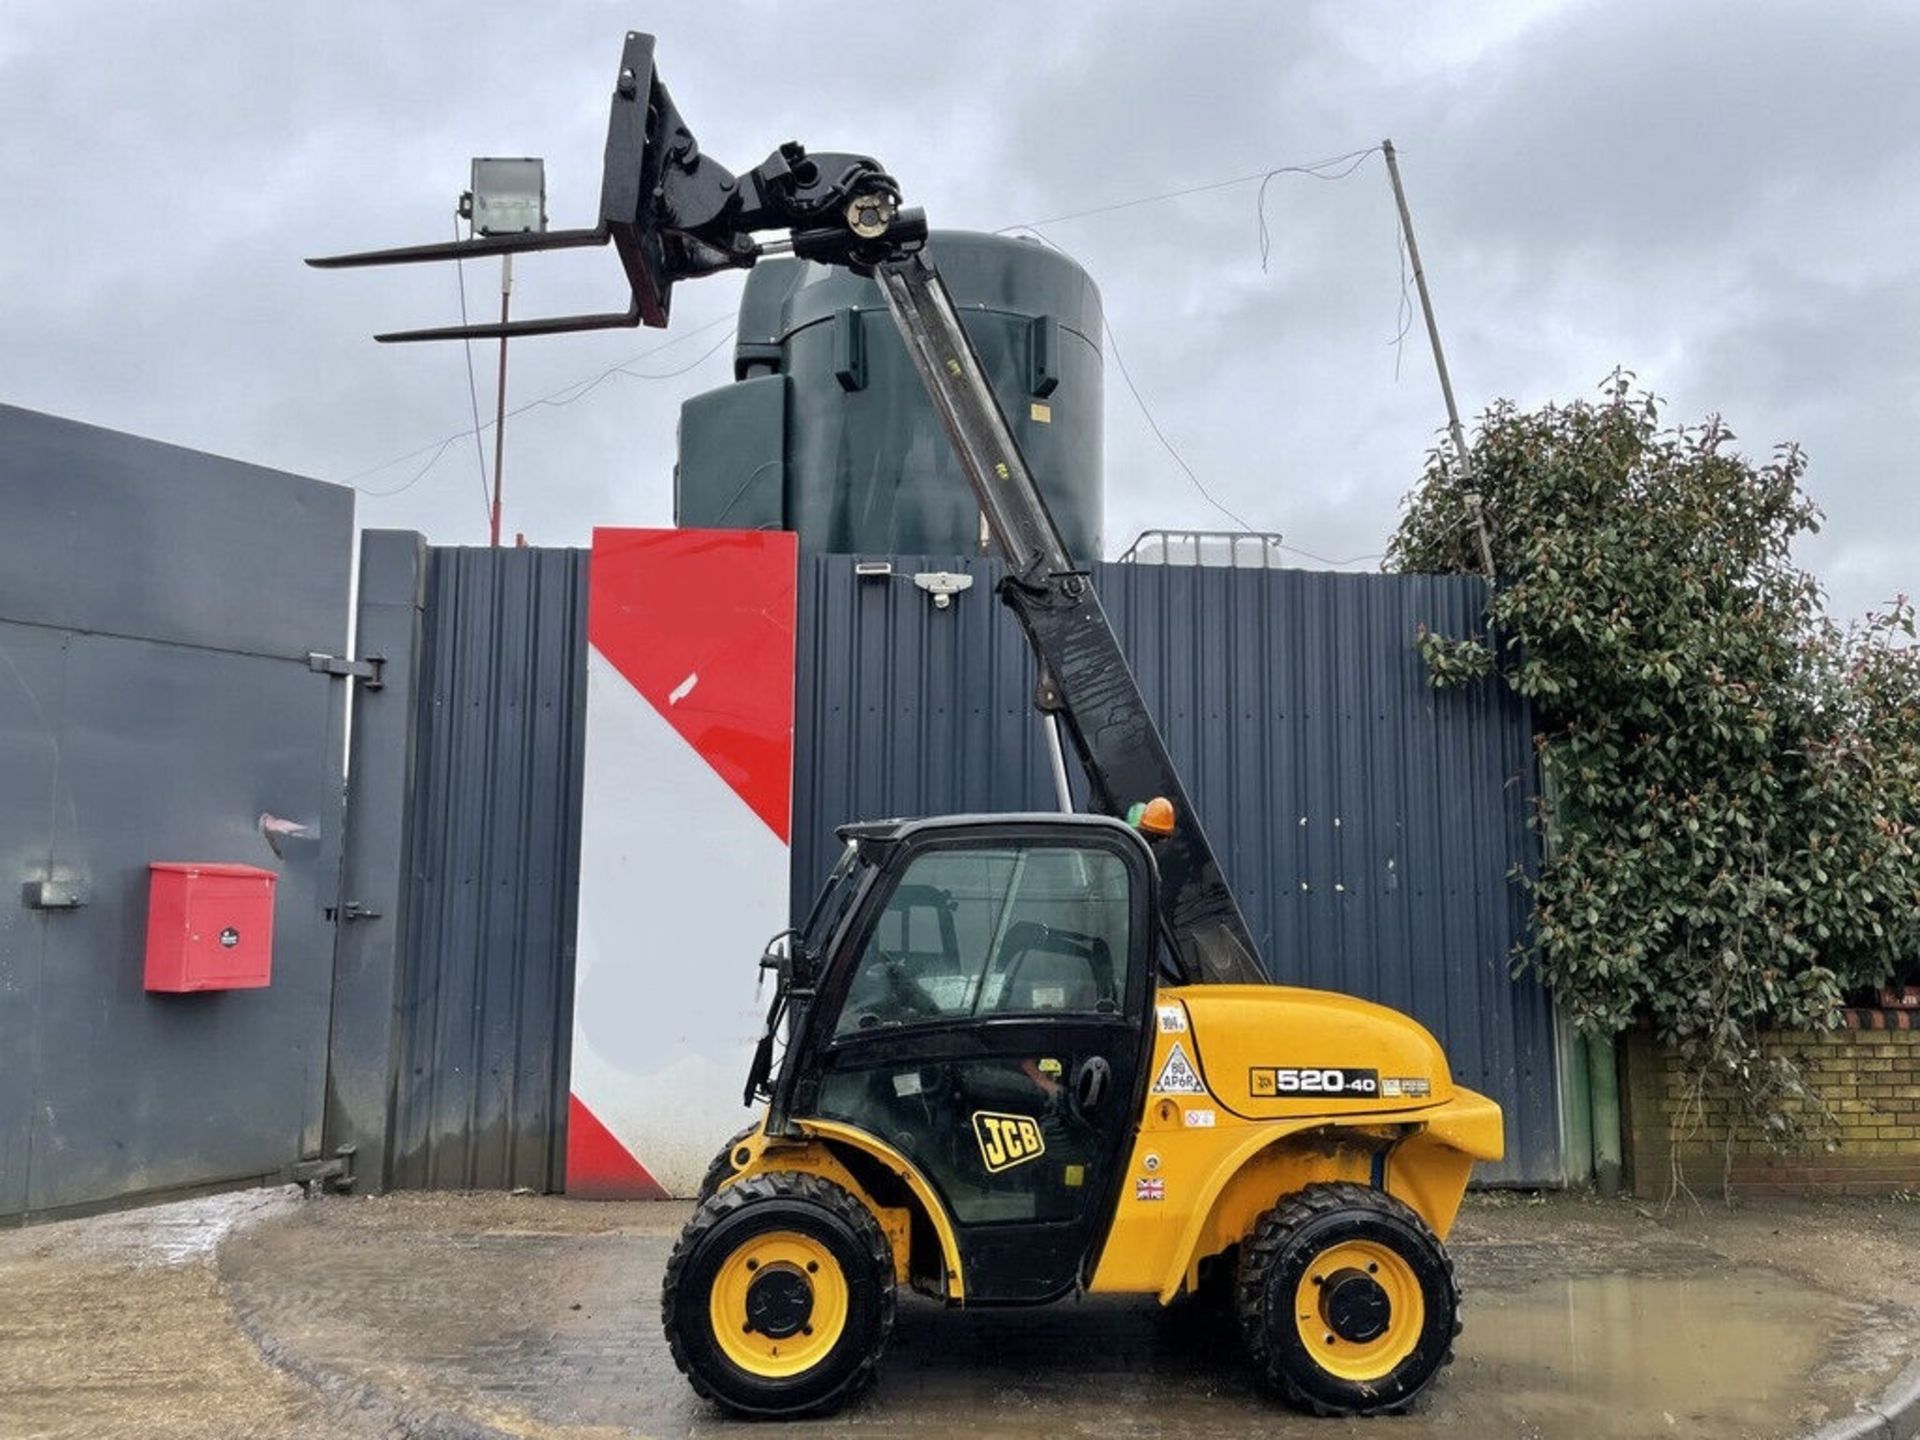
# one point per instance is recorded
(1150, 1187)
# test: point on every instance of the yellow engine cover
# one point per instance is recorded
(1256, 1090)
(1271, 1051)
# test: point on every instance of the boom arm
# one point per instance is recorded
(1084, 677)
(673, 213)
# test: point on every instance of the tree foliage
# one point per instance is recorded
(1731, 782)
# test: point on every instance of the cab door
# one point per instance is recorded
(986, 1019)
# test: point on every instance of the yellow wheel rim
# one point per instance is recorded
(1338, 1309)
(778, 1305)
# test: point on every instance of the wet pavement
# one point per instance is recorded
(432, 1315)
(539, 1317)
(117, 1326)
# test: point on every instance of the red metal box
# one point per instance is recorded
(209, 927)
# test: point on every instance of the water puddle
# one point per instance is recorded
(1709, 1353)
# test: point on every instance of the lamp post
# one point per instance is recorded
(508, 197)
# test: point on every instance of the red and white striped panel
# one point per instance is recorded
(683, 846)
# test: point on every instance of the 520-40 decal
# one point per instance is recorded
(1275, 1080)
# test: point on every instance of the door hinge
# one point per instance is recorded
(368, 671)
(352, 910)
(334, 1173)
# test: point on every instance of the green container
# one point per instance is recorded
(827, 430)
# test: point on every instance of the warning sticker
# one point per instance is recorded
(1177, 1076)
(1406, 1087)
(1173, 1019)
(1200, 1119)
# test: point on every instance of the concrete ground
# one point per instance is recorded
(264, 1314)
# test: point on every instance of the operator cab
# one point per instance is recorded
(979, 1001)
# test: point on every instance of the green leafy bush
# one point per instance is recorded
(1731, 782)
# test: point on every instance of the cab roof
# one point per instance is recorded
(886, 831)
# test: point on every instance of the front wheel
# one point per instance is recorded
(722, 1168)
(1346, 1300)
(779, 1298)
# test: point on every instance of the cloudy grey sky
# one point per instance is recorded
(1720, 196)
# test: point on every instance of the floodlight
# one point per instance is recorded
(509, 195)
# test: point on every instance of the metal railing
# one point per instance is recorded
(1221, 549)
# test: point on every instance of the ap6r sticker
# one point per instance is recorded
(1289, 1080)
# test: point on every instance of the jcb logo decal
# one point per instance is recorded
(1007, 1140)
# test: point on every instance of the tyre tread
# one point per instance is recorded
(784, 1185)
(1261, 1252)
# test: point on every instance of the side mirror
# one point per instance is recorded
(792, 963)
(800, 964)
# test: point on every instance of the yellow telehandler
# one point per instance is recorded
(1025, 1056)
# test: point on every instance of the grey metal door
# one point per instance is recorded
(454, 999)
(158, 608)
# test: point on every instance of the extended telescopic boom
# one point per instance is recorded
(673, 213)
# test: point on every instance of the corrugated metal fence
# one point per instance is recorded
(1368, 823)
(486, 992)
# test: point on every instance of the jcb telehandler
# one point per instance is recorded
(1026, 1056)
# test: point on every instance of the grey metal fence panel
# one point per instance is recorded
(1368, 823)
(32, 723)
(115, 534)
(157, 607)
(487, 989)
(369, 954)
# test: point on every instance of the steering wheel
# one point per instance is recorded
(906, 999)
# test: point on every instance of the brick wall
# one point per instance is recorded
(1866, 1074)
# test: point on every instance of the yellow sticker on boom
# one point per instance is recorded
(1007, 1140)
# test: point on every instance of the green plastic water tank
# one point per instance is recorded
(827, 430)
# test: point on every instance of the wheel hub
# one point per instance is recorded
(779, 1302)
(1356, 1308)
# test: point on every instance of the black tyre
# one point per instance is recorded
(722, 1167)
(1346, 1301)
(1203, 1321)
(779, 1298)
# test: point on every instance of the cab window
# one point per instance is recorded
(985, 931)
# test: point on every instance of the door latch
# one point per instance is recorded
(54, 894)
(942, 585)
(368, 671)
(1090, 1081)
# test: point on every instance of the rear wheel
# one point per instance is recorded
(779, 1297)
(1346, 1300)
